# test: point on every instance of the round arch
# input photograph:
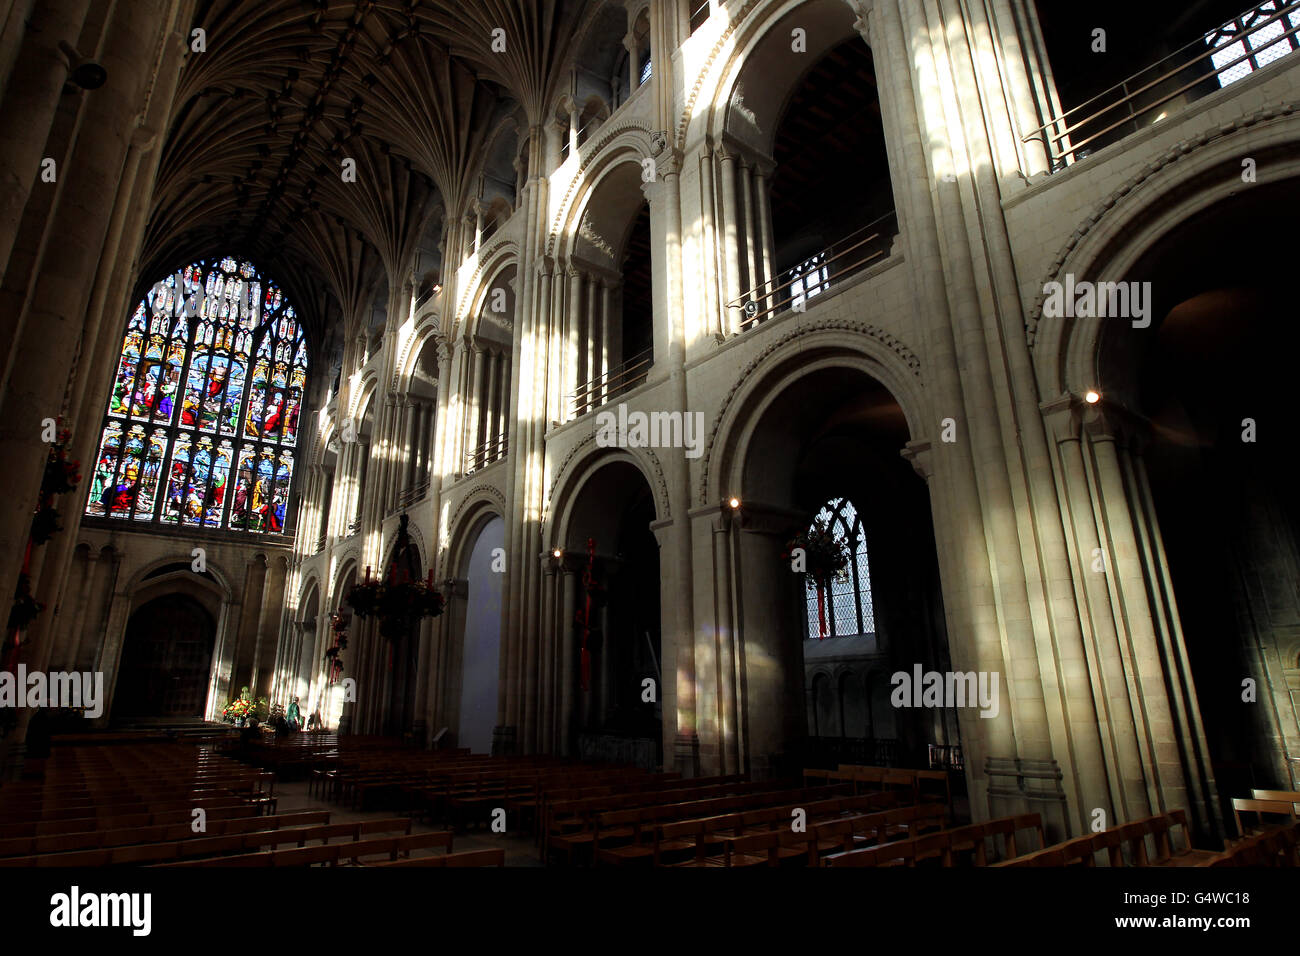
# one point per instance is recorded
(1141, 213)
(878, 356)
(575, 474)
(615, 148)
(745, 43)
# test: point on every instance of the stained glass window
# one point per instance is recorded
(202, 421)
(847, 603)
(1255, 39)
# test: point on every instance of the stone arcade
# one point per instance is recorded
(282, 272)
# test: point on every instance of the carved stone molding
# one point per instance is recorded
(895, 345)
(648, 457)
(1179, 151)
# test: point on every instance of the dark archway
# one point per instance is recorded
(833, 436)
(1204, 403)
(166, 660)
(615, 509)
(400, 650)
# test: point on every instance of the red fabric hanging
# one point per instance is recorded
(821, 612)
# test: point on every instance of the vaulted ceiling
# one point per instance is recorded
(286, 90)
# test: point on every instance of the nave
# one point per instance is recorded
(204, 799)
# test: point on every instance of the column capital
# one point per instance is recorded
(919, 454)
(1063, 417)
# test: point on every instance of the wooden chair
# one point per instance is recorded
(1261, 808)
(898, 853)
(1162, 829)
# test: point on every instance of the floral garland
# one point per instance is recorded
(824, 558)
(339, 626)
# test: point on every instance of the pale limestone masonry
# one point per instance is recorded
(1098, 707)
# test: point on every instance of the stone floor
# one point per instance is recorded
(520, 848)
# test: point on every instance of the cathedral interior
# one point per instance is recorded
(587, 431)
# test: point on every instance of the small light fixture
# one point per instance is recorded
(733, 504)
(557, 554)
(1092, 396)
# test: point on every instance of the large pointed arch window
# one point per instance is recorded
(202, 421)
(848, 605)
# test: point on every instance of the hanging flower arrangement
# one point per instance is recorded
(339, 626)
(60, 476)
(401, 602)
(824, 558)
(25, 606)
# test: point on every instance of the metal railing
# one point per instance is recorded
(410, 496)
(492, 450)
(791, 289)
(1119, 111)
(700, 15)
(320, 544)
(620, 379)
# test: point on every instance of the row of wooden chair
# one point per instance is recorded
(1276, 846)
(356, 853)
(826, 833)
(170, 832)
(496, 857)
(573, 826)
(649, 834)
(1279, 804)
(921, 784)
(1126, 844)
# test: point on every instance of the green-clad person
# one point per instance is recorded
(293, 715)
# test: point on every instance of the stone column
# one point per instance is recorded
(568, 654)
(753, 254)
(546, 658)
(592, 335)
(440, 466)
(572, 327)
(1157, 731)
(709, 252)
(80, 625)
(411, 412)
(730, 240)
(492, 403)
(633, 67)
(32, 91)
(607, 286)
(1110, 706)
(473, 437)
(724, 648)
(46, 332)
(767, 254)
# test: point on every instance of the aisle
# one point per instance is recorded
(520, 848)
